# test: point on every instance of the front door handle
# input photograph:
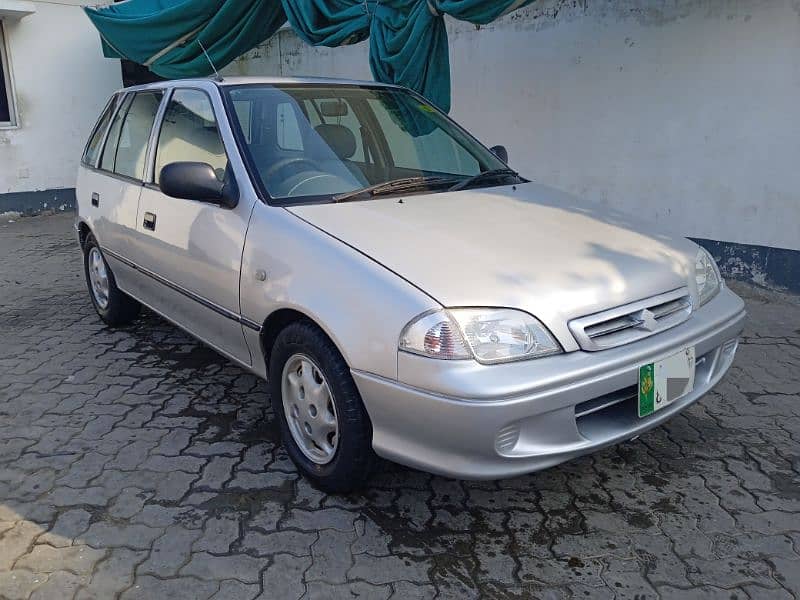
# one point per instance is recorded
(95, 199)
(149, 221)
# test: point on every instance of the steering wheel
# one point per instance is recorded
(282, 164)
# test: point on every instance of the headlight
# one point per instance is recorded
(707, 276)
(490, 335)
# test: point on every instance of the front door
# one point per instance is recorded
(190, 252)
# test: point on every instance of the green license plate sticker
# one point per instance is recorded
(664, 381)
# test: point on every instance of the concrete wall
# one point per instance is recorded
(62, 83)
(683, 111)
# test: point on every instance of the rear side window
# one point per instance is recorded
(110, 150)
(189, 132)
(92, 151)
(135, 134)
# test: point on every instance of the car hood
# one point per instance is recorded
(527, 246)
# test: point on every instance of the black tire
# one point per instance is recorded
(121, 309)
(354, 459)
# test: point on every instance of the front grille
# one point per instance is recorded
(632, 322)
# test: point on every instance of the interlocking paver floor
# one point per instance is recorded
(137, 463)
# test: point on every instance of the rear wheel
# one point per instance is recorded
(113, 305)
(324, 425)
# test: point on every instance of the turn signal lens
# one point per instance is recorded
(435, 335)
(706, 276)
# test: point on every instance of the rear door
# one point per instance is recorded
(193, 250)
(110, 191)
(104, 199)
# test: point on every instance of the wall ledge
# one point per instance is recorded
(16, 9)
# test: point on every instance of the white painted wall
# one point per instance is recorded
(686, 112)
(62, 83)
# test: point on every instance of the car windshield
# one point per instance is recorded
(318, 143)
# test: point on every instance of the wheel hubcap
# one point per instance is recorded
(309, 409)
(98, 277)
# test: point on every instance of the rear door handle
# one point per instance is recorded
(149, 221)
(95, 199)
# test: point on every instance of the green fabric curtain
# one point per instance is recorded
(408, 38)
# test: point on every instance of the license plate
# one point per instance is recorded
(664, 381)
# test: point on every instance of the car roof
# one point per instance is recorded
(231, 81)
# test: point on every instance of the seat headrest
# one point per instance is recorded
(341, 140)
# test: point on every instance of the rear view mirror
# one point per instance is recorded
(198, 181)
(500, 152)
(333, 108)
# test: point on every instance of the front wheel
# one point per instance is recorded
(324, 425)
(113, 305)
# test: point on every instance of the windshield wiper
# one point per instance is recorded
(485, 175)
(390, 187)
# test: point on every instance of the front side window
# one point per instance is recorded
(189, 133)
(312, 142)
(6, 106)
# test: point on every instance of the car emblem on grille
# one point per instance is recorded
(645, 320)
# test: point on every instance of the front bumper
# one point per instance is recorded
(465, 420)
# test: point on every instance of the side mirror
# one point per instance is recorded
(198, 181)
(500, 152)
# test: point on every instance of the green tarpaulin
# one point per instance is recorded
(408, 39)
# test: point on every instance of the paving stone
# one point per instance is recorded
(174, 442)
(347, 591)
(760, 593)
(699, 593)
(284, 577)
(112, 575)
(16, 541)
(109, 535)
(332, 557)
(230, 589)
(170, 464)
(297, 543)
(256, 458)
(19, 584)
(787, 573)
(69, 525)
(385, 569)
(47, 559)
(218, 471)
(246, 480)
(268, 516)
(219, 533)
(67, 496)
(209, 567)
(170, 552)
(409, 591)
(128, 503)
(182, 588)
(59, 585)
(314, 520)
(369, 538)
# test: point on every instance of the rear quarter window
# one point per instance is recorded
(92, 151)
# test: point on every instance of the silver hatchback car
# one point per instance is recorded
(405, 293)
